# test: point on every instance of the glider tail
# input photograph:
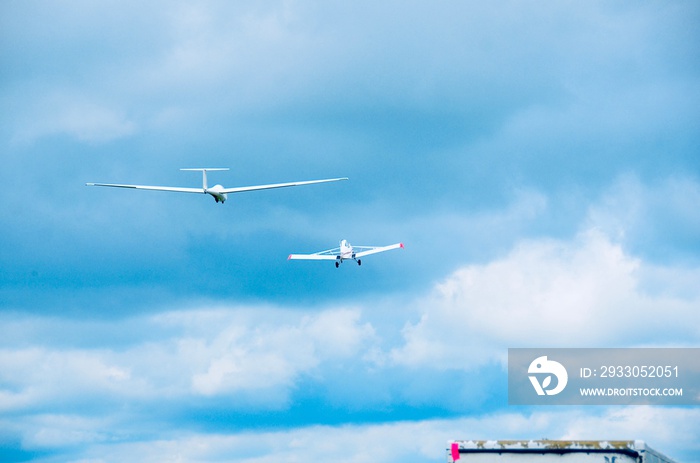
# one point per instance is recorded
(204, 173)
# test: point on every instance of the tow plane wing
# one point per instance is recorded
(219, 193)
(345, 251)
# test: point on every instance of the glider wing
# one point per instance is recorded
(149, 187)
(241, 189)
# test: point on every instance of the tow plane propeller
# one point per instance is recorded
(345, 251)
(219, 193)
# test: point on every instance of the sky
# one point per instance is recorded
(540, 161)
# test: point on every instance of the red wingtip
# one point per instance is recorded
(290, 256)
(401, 245)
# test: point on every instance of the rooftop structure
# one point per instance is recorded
(559, 451)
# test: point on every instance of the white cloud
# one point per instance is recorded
(636, 423)
(586, 291)
(103, 73)
(249, 359)
(582, 293)
(669, 430)
(230, 351)
(202, 352)
(44, 376)
(196, 58)
(659, 217)
(48, 430)
(71, 113)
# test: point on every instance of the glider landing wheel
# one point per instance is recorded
(337, 265)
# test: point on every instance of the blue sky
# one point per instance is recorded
(540, 161)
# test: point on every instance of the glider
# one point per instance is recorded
(345, 251)
(219, 193)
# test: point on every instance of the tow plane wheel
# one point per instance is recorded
(337, 265)
(359, 261)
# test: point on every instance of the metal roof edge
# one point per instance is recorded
(630, 447)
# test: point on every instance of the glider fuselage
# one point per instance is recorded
(217, 192)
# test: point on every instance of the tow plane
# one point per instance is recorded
(345, 251)
(219, 193)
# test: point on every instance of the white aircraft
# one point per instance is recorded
(345, 251)
(219, 193)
